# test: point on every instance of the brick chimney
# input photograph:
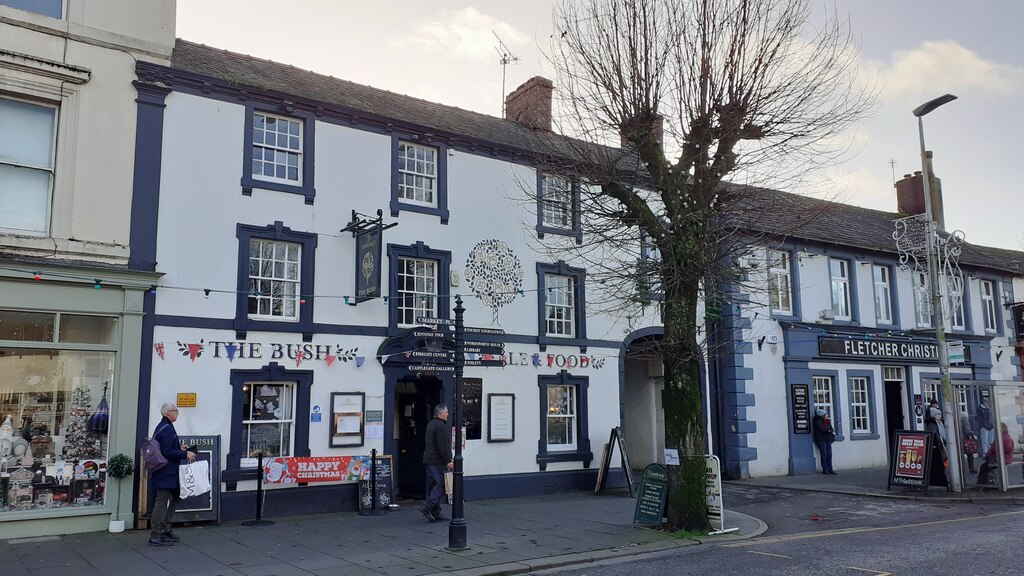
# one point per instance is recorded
(910, 194)
(530, 103)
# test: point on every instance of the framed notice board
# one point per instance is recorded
(205, 506)
(801, 409)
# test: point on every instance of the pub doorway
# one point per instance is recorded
(415, 399)
(895, 382)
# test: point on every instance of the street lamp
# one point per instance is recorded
(934, 294)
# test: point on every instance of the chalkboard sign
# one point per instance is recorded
(910, 466)
(650, 503)
(618, 439)
(204, 506)
(385, 493)
(801, 409)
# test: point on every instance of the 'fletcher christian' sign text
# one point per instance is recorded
(878, 349)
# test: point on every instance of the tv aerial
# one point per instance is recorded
(506, 57)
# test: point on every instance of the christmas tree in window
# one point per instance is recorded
(80, 443)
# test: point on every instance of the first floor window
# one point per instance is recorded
(883, 294)
(274, 279)
(559, 305)
(417, 289)
(922, 301)
(839, 269)
(556, 202)
(276, 148)
(27, 140)
(860, 406)
(267, 420)
(561, 417)
(417, 173)
(779, 275)
(823, 394)
(988, 305)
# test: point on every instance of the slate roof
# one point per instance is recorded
(776, 213)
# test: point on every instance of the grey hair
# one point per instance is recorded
(440, 408)
(166, 407)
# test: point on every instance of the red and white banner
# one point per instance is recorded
(315, 469)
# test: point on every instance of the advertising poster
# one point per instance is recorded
(316, 469)
(911, 459)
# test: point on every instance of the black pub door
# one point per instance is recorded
(894, 417)
(414, 407)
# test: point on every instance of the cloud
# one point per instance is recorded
(465, 33)
(915, 72)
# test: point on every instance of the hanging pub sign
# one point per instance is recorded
(368, 245)
(1018, 320)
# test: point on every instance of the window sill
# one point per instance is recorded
(574, 456)
(239, 474)
(575, 232)
(855, 437)
(249, 183)
(398, 206)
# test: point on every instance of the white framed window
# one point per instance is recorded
(417, 289)
(274, 277)
(957, 321)
(929, 391)
(556, 202)
(988, 304)
(268, 420)
(883, 294)
(922, 300)
(780, 291)
(860, 406)
(561, 417)
(560, 305)
(417, 174)
(823, 394)
(276, 148)
(27, 142)
(839, 270)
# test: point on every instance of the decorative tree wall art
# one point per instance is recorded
(494, 274)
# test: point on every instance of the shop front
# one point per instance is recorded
(68, 389)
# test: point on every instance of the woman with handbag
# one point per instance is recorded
(992, 457)
(970, 441)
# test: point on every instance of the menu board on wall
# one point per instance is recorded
(801, 409)
(472, 410)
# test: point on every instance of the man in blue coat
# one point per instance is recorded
(165, 480)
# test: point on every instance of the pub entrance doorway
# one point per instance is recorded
(415, 399)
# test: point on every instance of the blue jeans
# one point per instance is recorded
(825, 449)
(985, 437)
(435, 486)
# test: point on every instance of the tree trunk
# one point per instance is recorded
(684, 412)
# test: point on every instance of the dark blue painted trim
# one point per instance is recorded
(801, 446)
(399, 205)
(582, 452)
(576, 229)
(145, 381)
(872, 403)
(272, 372)
(562, 269)
(307, 190)
(424, 252)
(279, 232)
(51, 8)
(149, 137)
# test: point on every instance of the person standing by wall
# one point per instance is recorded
(824, 436)
(985, 426)
(165, 480)
(437, 459)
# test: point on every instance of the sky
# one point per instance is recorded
(447, 51)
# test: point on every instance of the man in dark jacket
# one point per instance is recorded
(824, 435)
(437, 459)
(165, 480)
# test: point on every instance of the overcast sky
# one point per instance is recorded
(445, 51)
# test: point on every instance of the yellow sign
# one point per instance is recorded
(187, 400)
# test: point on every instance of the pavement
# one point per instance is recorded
(504, 536)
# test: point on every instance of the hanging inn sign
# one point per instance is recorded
(369, 238)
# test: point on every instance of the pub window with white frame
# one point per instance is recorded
(930, 391)
(823, 394)
(277, 148)
(922, 300)
(27, 142)
(274, 277)
(780, 294)
(957, 321)
(559, 305)
(561, 418)
(883, 294)
(860, 406)
(268, 421)
(556, 202)
(417, 289)
(417, 174)
(988, 304)
(839, 271)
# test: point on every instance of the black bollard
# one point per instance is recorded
(259, 521)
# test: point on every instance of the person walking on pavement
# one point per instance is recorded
(165, 480)
(824, 436)
(985, 427)
(437, 459)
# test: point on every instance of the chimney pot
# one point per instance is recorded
(530, 103)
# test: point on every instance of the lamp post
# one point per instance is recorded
(934, 294)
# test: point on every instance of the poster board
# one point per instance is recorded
(650, 503)
(205, 506)
(800, 398)
(615, 439)
(347, 422)
(910, 466)
(501, 417)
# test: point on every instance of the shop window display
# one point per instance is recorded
(53, 411)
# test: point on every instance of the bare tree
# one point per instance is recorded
(698, 91)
